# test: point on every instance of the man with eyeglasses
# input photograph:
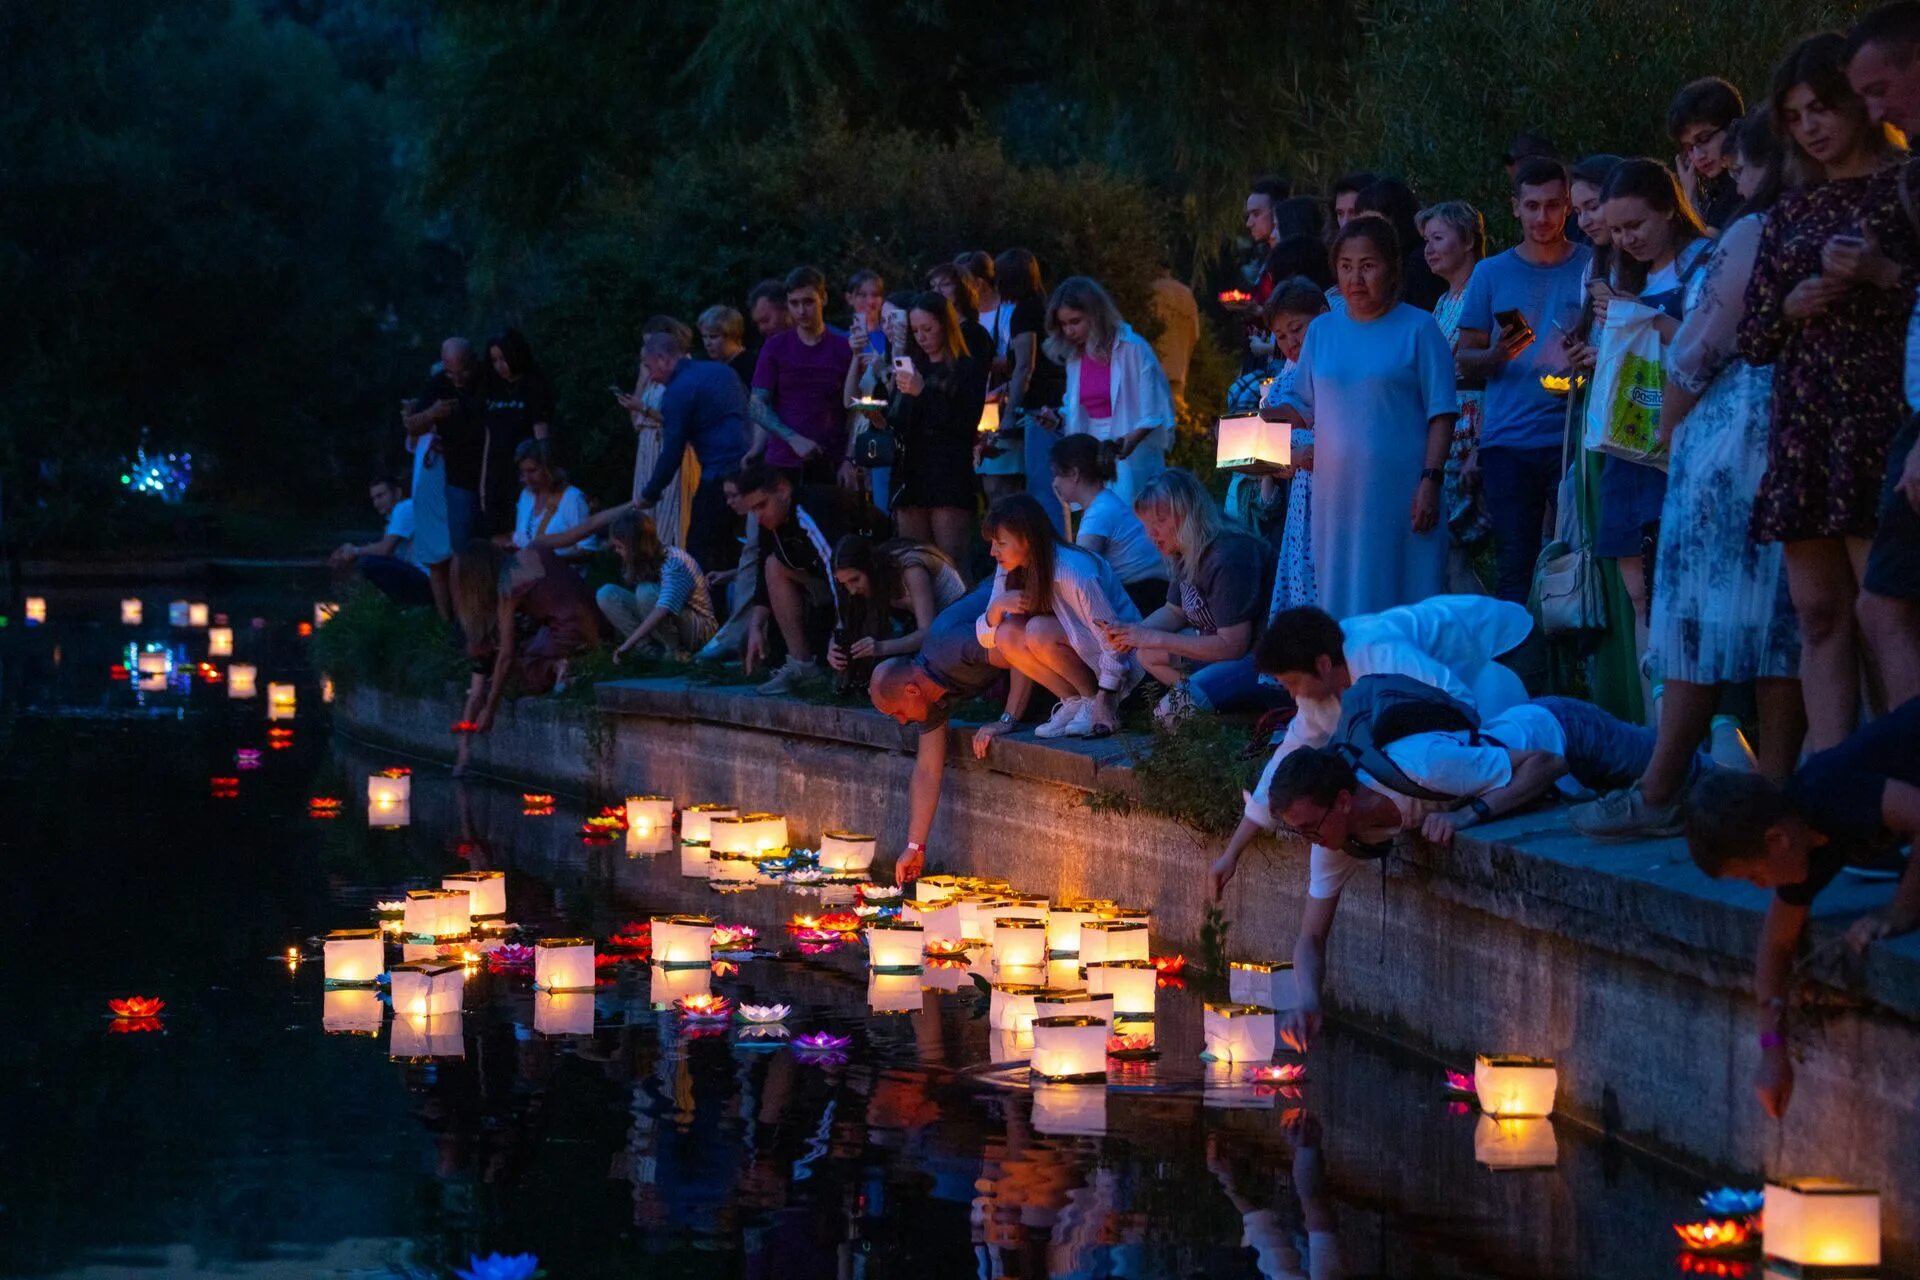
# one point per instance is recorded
(1697, 122)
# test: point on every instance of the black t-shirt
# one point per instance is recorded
(463, 433)
(1230, 585)
(953, 656)
(806, 545)
(513, 408)
(1049, 385)
(742, 365)
(1838, 793)
(1719, 197)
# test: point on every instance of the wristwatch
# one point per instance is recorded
(1006, 717)
(1434, 474)
(1480, 808)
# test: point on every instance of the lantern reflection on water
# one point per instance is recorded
(417, 1037)
(1822, 1222)
(1515, 1085)
(1070, 1048)
(355, 956)
(281, 701)
(1069, 1110)
(563, 1013)
(894, 992)
(563, 964)
(486, 891)
(1515, 1143)
(1133, 984)
(351, 1011)
(220, 642)
(669, 984)
(427, 988)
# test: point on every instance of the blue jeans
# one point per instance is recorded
(1233, 685)
(1519, 486)
(1605, 753)
(401, 581)
(463, 515)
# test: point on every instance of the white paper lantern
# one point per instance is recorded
(1239, 1032)
(176, 613)
(414, 951)
(1247, 442)
(972, 905)
(759, 834)
(417, 1037)
(1133, 984)
(1270, 985)
(683, 939)
(935, 889)
(437, 913)
(1010, 1005)
(1102, 940)
(1064, 921)
(385, 789)
(486, 891)
(355, 956)
(563, 964)
(939, 920)
(197, 614)
(351, 1011)
(563, 1013)
(399, 815)
(427, 988)
(1013, 907)
(1019, 942)
(240, 678)
(894, 992)
(1069, 1110)
(219, 642)
(1005, 1045)
(132, 612)
(846, 851)
(36, 610)
(1514, 1143)
(648, 843)
(1822, 1222)
(1017, 975)
(896, 945)
(1515, 1085)
(670, 983)
(1070, 1048)
(696, 821)
(1073, 1004)
(1065, 974)
(282, 702)
(989, 418)
(649, 815)
(323, 611)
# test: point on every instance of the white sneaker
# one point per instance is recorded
(1061, 721)
(791, 674)
(1081, 726)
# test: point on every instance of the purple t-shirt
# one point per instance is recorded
(805, 383)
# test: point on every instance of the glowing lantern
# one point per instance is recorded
(683, 939)
(427, 988)
(1010, 1007)
(644, 842)
(197, 614)
(389, 787)
(486, 890)
(1070, 1048)
(1065, 974)
(757, 834)
(1247, 442)
(940, 920)
(1133, 984)
(563, 964)
(935, 889)
(989, 418)
(437, 913)
(1007, 1045)
(323, 611)
(353, 1011)
(1715, 1235)
(154, 662)
(1072, 1004)
(894, 992)
(1515, 1143)
(176, 613)
(696, 821)
(1250, 982)
(132, 611)
(1822, 1222)
(1064, 921)
(281, 701)
(845, 851)
(395, 816)
(1239, 1032)
(1017, 975)
(418, 1038)
(563, 1013)
(694, 860)
(1112, 940)
(670, 984)
(1012, 907)
(240, 678)
(220, 642)
(649, 815)
(1067, 1110)
(355, 955)
(326, 690)
(36, 607)
(898, 945)
(971, 906)
(1019, 942)
(1513, 1085)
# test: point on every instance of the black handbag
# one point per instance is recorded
(874, 447)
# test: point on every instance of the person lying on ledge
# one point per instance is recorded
(1844, 806)
(1352, 798)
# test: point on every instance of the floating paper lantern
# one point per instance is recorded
(438, 913)
(176, 613)
(757, 834)
(1252, 982)
(486, 890)
(154, 662)
(132, 611)
(563, 964)
(323, 611)
(352, 1011)
(36, 610)
(897, 945)
(1515, 1143)
(281, 701)
(846, 851)
(394, 816)
(1065, 974)
(648, 843)
(1016, 975)
(1010, 1005)
(1514, 1085)
(1072, 1004)
(695, 861)
(1239, 1032)
(683, 939)
(941, 920)
(563, 1013)
(1064, 921)
(1822, 1222)
(240, 678)
(894, 992)
(972, 906)
(355, 955)
(1019, 942)
(1069, 1110)
(935, 889)
(197, 614)
(1249, 443)
(427, 988)
(696, 821)
(389, 787)
(649, 815)
(670, 984)
(1112, 940)
(1006, 1045)
(1133, 984)
(220, 642)
(1070, 1048)
(417, 1038)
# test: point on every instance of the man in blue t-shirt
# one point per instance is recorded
(1514, 325)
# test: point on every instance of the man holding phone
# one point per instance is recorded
(1513, 324)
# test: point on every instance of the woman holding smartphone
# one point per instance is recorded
(937, 392)
(869, 377)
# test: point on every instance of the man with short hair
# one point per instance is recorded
(702, 406)
(1537, 287)
(1845, 805)
(767, 308)
(798, 530)
(387, 562)
(798, 385)
(1345, 196)
(1697, 122)
(1526, 145)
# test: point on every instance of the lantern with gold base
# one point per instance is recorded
(1255, 982)
(1064, 920)
(427, 988)
(1069, 1049)
(1822, 1222)
(563, 964)
(846, 851)
(1072, 1004)
(1133, 984)
(355, 957)
(1239, 1032)
(1005, 1045)
(1019, 942)
(649, 815)
(934, 889)
(896, 946)
(486, 891)
(682, 939)
(389, 787)
(894, 992)
(972, 906)
(282, 702)
(758, 834)
(939, 920)
(1249, 443)
(696, 821)
(438, 913)
(1102, 940)
(1065, 973)
(1069, 1110)
(1010, 1005)
(1512, 1084)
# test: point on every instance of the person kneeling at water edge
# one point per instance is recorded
(1845, 805)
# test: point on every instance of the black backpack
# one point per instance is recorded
(1377, 711)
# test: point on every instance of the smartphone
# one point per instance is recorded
(619, 391)
(1513, 320)
(1848, 241)
(903, 364)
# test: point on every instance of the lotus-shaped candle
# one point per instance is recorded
(807, 875)
(224, 788)
(633, 936)
(603, 961)
(724, 968)
(734, 937)
(880, 894)
(510, 958)
(535, 799)
(765, 1035)
(1171, 982)
(948, 948)
(247, 758)
(1234, 297)
(822, 1047)
(498, 1266)
(1732, 1202)
(396, 771)
(814, 943)
(136, 1006)
(1136, 1045)
(704, 1008)
(765, 1013)
(1170, 965)
(947, 962)
(329, 804)
(1719, 1235)
(390, 907)
(1459, 1081)
(1281, 1073)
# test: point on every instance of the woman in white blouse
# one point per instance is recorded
(548, 504)
(1116, 389)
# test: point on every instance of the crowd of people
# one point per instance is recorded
(1676, 419)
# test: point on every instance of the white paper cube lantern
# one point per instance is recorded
(1017, 975)
(282, 702)
(563, 964)
(1822, 1222)
(1065, 975)
(1515, 1085)
(486, 891)
(1239, 1032)
(972, 906)
(935, 889)
(132, 612)
(1006, 1045)
(696, 821)
(846, 851)
(323, 611)
(153, 662)
(427, 988)
(1019, 942)
(1254, 982)
(437, 913)
(176, 613)
(417, 1037)
(197, 614)
(219, 642)
(1064, 921)
(1246, 442)
(939, 920)
(1010, 1005)
(399, 815)
(1133, 984)
(1070, 1048)
(384, 790)
(1228, 1086)
(352, 1011)
(1073, 1004)
(355, 956)
(649, 815)
(648, 843)
(759, 834)
(36, 610)
(563, 1013)
(1112, 940)
(1069, 1110)
(896, 945)
(1515, 1143)
(670, 983)
(683, 939)
(240, 678)
(894, 992)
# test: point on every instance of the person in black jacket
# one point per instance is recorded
(935, 414)
(798, 531)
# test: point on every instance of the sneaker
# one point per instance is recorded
(1062, 718)
(789, 677)
(1626, 815)
(1177, 703)
(1081, 726)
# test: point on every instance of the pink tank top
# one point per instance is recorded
(1096, 387)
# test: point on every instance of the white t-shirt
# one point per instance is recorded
(568, 512)
(1129, 550)
(400, 527)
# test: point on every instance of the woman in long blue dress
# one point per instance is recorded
(1376, 385)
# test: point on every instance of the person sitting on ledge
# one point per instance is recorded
(661, 605)
(798, 530)
(1851, 804)
(387, 562)
(901, 581)
(1449, 642)
(1351, 802)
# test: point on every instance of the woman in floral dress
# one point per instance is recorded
(1289, 311)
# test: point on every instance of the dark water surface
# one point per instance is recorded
(241, 1138)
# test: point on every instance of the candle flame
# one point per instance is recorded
(1713, 1234)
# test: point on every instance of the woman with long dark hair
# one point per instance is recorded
(1106, 526)
(661, 605)
(898, 585)
(519, 408)
(935, 412)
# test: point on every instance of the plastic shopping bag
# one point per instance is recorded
(1623, 401)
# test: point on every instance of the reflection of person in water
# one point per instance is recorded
(1289, 1247)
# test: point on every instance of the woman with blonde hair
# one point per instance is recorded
(1116, 390)
(1453, 236)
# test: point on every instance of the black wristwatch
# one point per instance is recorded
(1434, 474)
(1480, 808)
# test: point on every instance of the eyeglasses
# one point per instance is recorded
(1310, 834)
(1705, 141)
